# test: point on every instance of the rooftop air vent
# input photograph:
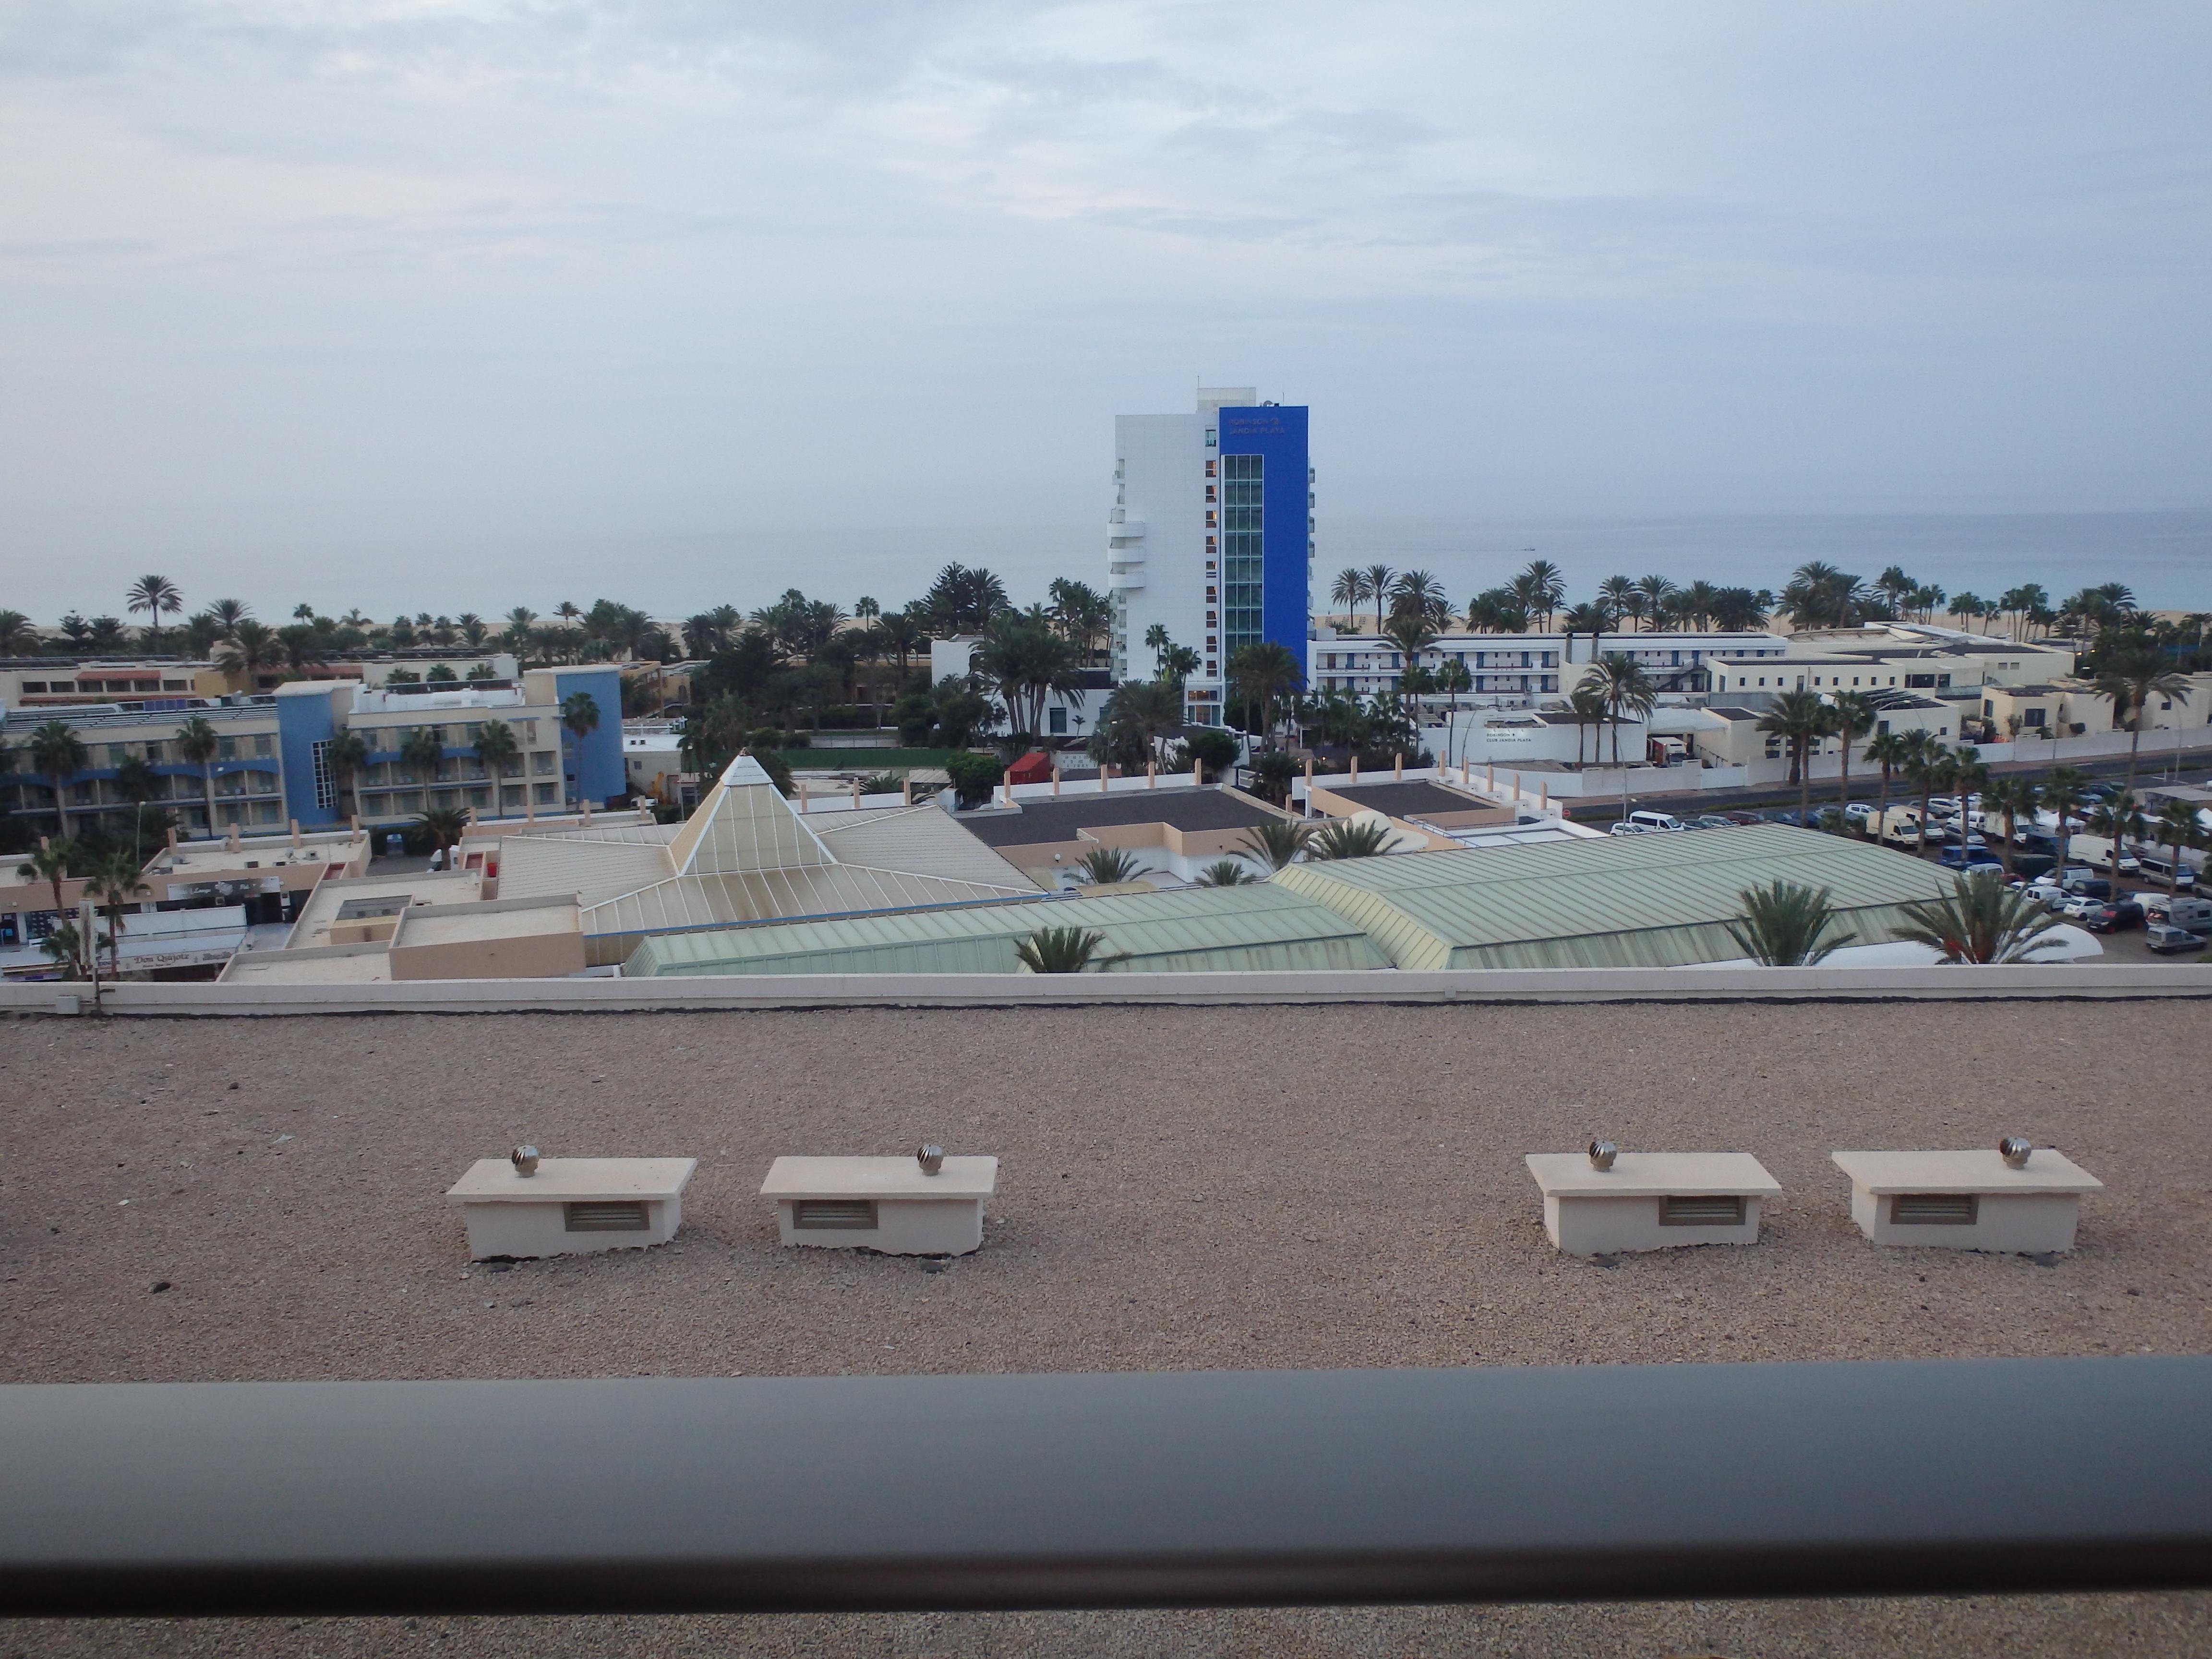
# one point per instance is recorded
(1601, 1154)
(931, 1158)
(524, 1159)
(2015, 1150)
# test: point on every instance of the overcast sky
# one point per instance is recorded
(441, 304)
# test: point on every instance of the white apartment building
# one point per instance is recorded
(1210, 537)
(1524, 670)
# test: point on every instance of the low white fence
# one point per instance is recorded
(744, 991)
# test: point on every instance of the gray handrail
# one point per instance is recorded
(1159, 1489)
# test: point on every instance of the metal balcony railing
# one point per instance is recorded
(1161, 1489)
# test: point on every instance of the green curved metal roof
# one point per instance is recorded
(1652, 901)
(1195, 930)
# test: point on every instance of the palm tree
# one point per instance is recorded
(1379, 577)
(50, 862)
(227, 614)
(2131, 678)
(580, 718)
(1548, 584)
(1108, 867)
(1423, 595)
(1265, 676)
(1349, 591)
(1889, 750)
(2065, 793)
(1412, 635)
(2122, 819)
(444, 825)
(56, 750)
(1933, 770)
(1351, 838)
(17, 637)
(1278, 842)
(198, 744)
(250, 647)
(1626, 689)
(1784, 925)
(1980, 921)
(1591, 619)
(347, 758)
(157, 596)
(1588, 702)
(2177, 827)
(1061, 949)
(2014, 799)
(498, 749)
(114, 881)
(1969, 777)
(1656, 593)
(1226, 873)
(1621, 598)
(1801, 719)
(1851, 716)
(420, 752)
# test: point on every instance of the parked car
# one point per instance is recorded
(2086, 883)
(2158, 867)
(2114, 916)
(1658, 821)
(2169, 940)
(1856, 813)
(1788, 815)
(1710, 821)
(1742, 817)
(2077, 907)
(1625, 828)
(1968, 864)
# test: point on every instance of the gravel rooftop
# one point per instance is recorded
(1180, 1189)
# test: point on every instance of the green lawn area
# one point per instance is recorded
(863, 760)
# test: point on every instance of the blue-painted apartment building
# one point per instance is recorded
(1211, 536)
(272, 754)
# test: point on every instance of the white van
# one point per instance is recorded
(1655, 820)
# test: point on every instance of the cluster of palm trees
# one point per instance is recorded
(1786, 924)
(1536, 599)
(112, 880)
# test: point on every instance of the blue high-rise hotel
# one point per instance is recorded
(1211, 536)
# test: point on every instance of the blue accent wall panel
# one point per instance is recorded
(303, 721)
(600, 774)
(1278, 435)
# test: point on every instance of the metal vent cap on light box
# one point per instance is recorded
(2015, 1150)
(524, 1159)
(930, 1157)
(1601, 1154)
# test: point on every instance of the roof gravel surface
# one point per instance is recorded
(1204, 1188)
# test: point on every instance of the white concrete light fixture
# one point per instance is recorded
(523, 1205)
(1605, 1200)
(899, 1206)
(2018, 1199)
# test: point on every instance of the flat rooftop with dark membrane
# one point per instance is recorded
(1059, 820)
(1408, 800)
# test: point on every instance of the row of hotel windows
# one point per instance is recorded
(162, 751)
(379, 804)
(1518, 683)
(129, 687)
(1912, 681)
(544, 763)
(1370, 662)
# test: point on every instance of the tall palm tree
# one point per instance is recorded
(1801, 719)
(2177, 826)
(1422, 594)
(420, 752)
(1592, 619)
(56, 750)
(50, 861)
(114, 881)
(1784, 925)
(2131, 678)
(1932, 771)
(1278, 842)
(1549, 585)
(1626, 688)
(2065, 794)
(17, 637)
(1980, 921)
(250, 647)
(1970, 776)
(2122, 819)
(155, 595)
(1656, 593)
(198, 744)
(1588, 704)
(580, 718)
(1852, 716)
(2013, 798)
(498, 748)
(347, 758)
(1378, 588)
(1349, 590)
(227, 614)
(1412, 635)
(1265, 676)
(1889, 750)
(1621, 598)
